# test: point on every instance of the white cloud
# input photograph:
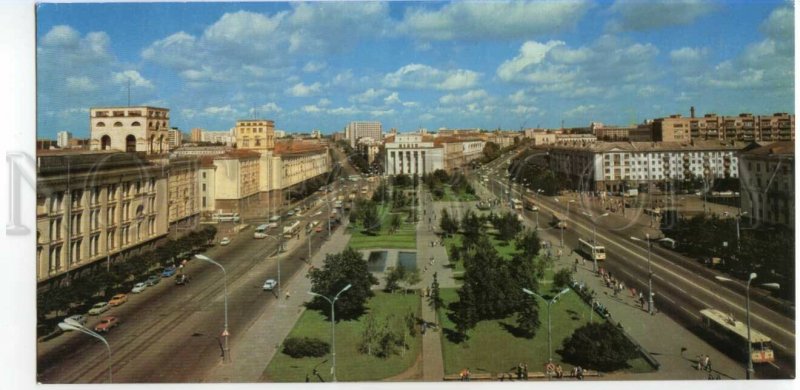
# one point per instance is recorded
(637, 15)
(80, 84)
(344, 111)
(418, 76)
(221, 111)
(492, 20)
(688, 54)
(312, 109)
(580, 110)
(303, 90)
(314, 66)
(468, 97)
(326, 27)
(393, 98)
(133, 77)
(382, 112)
(270, 107)
(525, 110)
(521, 97)
(324, 102)
(368, 95)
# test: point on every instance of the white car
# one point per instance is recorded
(99, 308)
(138, 287)
(270, 284)
(225, 241)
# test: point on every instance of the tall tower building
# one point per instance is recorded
(63, 139)
(356, 130)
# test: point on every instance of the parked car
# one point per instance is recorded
(181, 279)
(270, 284)
(79, 318)
(98, 308)
(139, 287)
(153, 280)
(168, 271)
(225, 241)
(290, 213)
(106, 324)
(118, 299)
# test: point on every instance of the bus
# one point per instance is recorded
(559, 221)
(594, 251)
(734, 332)
(291, 230)
(261, 231)
(516, 204)
(225, 217)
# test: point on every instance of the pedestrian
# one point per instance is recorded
(559, 372)
(288, 295)
(525, 371)
(580, 373)
(519, 371)
(467, 374)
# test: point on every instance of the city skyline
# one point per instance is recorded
(408, 65)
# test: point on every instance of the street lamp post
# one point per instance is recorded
(594, 233)
(649, 274)
(565, 219)
(738, 235)
(333, 324)
(774, 286)
(226, 348)
(71, 324)
(538, 191)
(549, 303)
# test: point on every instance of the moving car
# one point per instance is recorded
(118, 299)
(153, 280)
(106, 323)
(139, 287)
(168, 271)
(270, 284)
(79, 318)
(181, 279)
(98, 308)
(225, 241)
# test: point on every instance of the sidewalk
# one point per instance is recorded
(252, 351)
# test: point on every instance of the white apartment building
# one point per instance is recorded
(63, 139)
(412, 154)
(356, 130)
(606, 166)
(130, 129)
(226, 138)
(766, 174)
(94, 207)
(175, 138)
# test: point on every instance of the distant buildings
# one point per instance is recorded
(766, 174)
(130, 129)
(744, 127)
(280, 133)
(612, 166)
(255, 134)
(175, 138)
(63, 139)
(356, 130)
(369, 148)
(457, 152)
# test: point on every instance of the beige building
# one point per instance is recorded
(369, 148)
(235, 181)
(744, 127)
(130, 129)
(183, 207)
(605, 166)
(301, 161)
(95, 207)
(197, 134)
(226, 138)
(199, 151)
(766, 174)
(412, 153)
(175, 138)
(255, 134)
(356, 130)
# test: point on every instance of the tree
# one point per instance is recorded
(399, 199)
(381, 194)
(448, 224)
(529, 244)
(395, 221)
(598, 346)
(508, 226)
(339, 270)
(369, 335)
(528, 318)
(472, 225)
(371, 219)
(394, 276)
(562, 278)
(411, 279)
(435, 298)
(491, 151)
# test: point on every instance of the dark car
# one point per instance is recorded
(181, 279)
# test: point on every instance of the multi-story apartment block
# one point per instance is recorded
(639, 133)
(369, 148)
(63, 139)
(95, 207)
(226, 138)
(183, 208)
(356, 130)
(255, 134)
(412, 154)
(459, 151)
(130, 129)
(175, 138)
(232, 185)
(610, 166)
(744, 127)
(766, 174)
(301, 161)
(197, 134)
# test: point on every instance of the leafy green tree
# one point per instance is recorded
(394, 276)
(381, 194)
(371, 219)
(399, 199)
(435, 297)
(508, 226)
(339, 270)
(448, 224)
(472, 225)
(598, 346)
(528, 317)
(395, 221)
(411, 278)
(491, 151)
(562, 278)
(529, 243)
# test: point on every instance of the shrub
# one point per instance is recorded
(598, 346)
(305, 347)
(562, 278)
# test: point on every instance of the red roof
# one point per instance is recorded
(297, 147)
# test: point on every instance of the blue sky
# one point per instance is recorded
(414, 64)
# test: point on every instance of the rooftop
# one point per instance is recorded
(695, 145)
(781, 148)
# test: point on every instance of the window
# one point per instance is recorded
(76, 251)
(112, 212)
(55, 229)
(77, 198)
(55, 258)
(94, 245)
(76, 224)
(55, 201)
(204, 187)
(204, 175)
(112, 192)
(95, 198)
(204, 201)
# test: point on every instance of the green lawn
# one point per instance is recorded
(507, 251)
(404, 238)
(492, 347)
(351, 365)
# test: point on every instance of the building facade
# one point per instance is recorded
(226, 138)
(235, 181)
(199, 151)
(130, 129)
(412, 154)
(175, 138)
(183, 206)
(255, 134)
(766, 175)
(612, 166)
(356, 130)
(63, 139)
(95, 207)
(744, 127)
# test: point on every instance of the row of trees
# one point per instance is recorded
(472, 225)
(109, 279)
(533, 168)
(366, 211)
(437, 180)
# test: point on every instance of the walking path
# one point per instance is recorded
(252, 351)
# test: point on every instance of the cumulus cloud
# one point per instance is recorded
(393, 98)
(418, 76)
(368, 95)
(303, 90)
(580, 110)
(132, 76)
(80, 84)
(637, 15)
(468, 97)
(270, 107)
(492, 20)
(314, 66)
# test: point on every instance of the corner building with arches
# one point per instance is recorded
(130, 129)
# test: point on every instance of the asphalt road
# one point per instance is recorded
(682, 286)
(169, 333)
